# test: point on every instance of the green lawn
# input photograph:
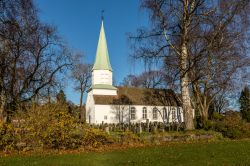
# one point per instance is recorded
(216, 153)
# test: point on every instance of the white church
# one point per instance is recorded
(108, 104)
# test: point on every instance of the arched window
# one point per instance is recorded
(132, 113)
(174, 117)
(155, 113)
(144, 113)
(165, 113)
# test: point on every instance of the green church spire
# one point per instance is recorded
(102, 56)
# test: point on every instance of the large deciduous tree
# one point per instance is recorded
(218, 51)
(202, 42)
(81, 74)
(31, 54)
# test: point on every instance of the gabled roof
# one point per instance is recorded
(102, 56)
(139, 96)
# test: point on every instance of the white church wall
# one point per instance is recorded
(90, 108)
(105, 114)
(101, 77)
(175, 114)
(110, 114)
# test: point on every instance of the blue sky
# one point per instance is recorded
(79, 21)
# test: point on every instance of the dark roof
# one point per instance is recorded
(139, 96)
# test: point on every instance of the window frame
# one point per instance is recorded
(144, 113)
(132, 113)
(155, 113)
(165, 112)
(174, 116)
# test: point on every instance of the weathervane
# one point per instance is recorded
(102, 14)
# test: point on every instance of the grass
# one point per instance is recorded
(213, 153)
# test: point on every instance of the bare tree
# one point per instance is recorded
(189, 36)
(219, 104)
(149, 79)
(32, 55)
(172, 23)
(218, 53)
(81, 74)
(130, 81)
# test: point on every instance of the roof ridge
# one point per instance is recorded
(131, 87)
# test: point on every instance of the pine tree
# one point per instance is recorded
(61, 97)
(245, 104)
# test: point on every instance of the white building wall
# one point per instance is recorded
(110, 114)
(90, 108)
(102, 77)
(105, 110)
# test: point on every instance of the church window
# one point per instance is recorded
(174, 115)
(165, 113)
(144, 113)
(132, 113)
(155, 113)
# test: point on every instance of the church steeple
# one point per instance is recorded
(102, 56)
(102, 75)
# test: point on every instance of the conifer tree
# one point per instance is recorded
(245, 104)
(61, 97)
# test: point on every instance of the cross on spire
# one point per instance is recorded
(102, 14)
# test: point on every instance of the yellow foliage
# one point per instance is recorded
(48, 126)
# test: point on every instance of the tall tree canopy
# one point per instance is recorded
(31, 54)
(201, 43)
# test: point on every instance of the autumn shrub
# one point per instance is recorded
(8, 136)
(95, 137)
(216, 116)
(230, 125)
(49, 126)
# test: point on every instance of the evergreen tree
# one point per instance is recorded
(245, 104)
(61, 97)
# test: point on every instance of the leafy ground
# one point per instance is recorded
(213, 153)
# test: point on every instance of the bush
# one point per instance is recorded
(231, 125)
(8, 138)
(208, 125)
(95, 138)
(216, 116)
(48, 126)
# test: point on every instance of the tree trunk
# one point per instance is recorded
(186, 104)
(186, 101)
(82, 110)
(49, 97)
(205, 113)
(3, 117)
(185, 94)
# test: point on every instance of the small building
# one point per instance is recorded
(108, 104)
